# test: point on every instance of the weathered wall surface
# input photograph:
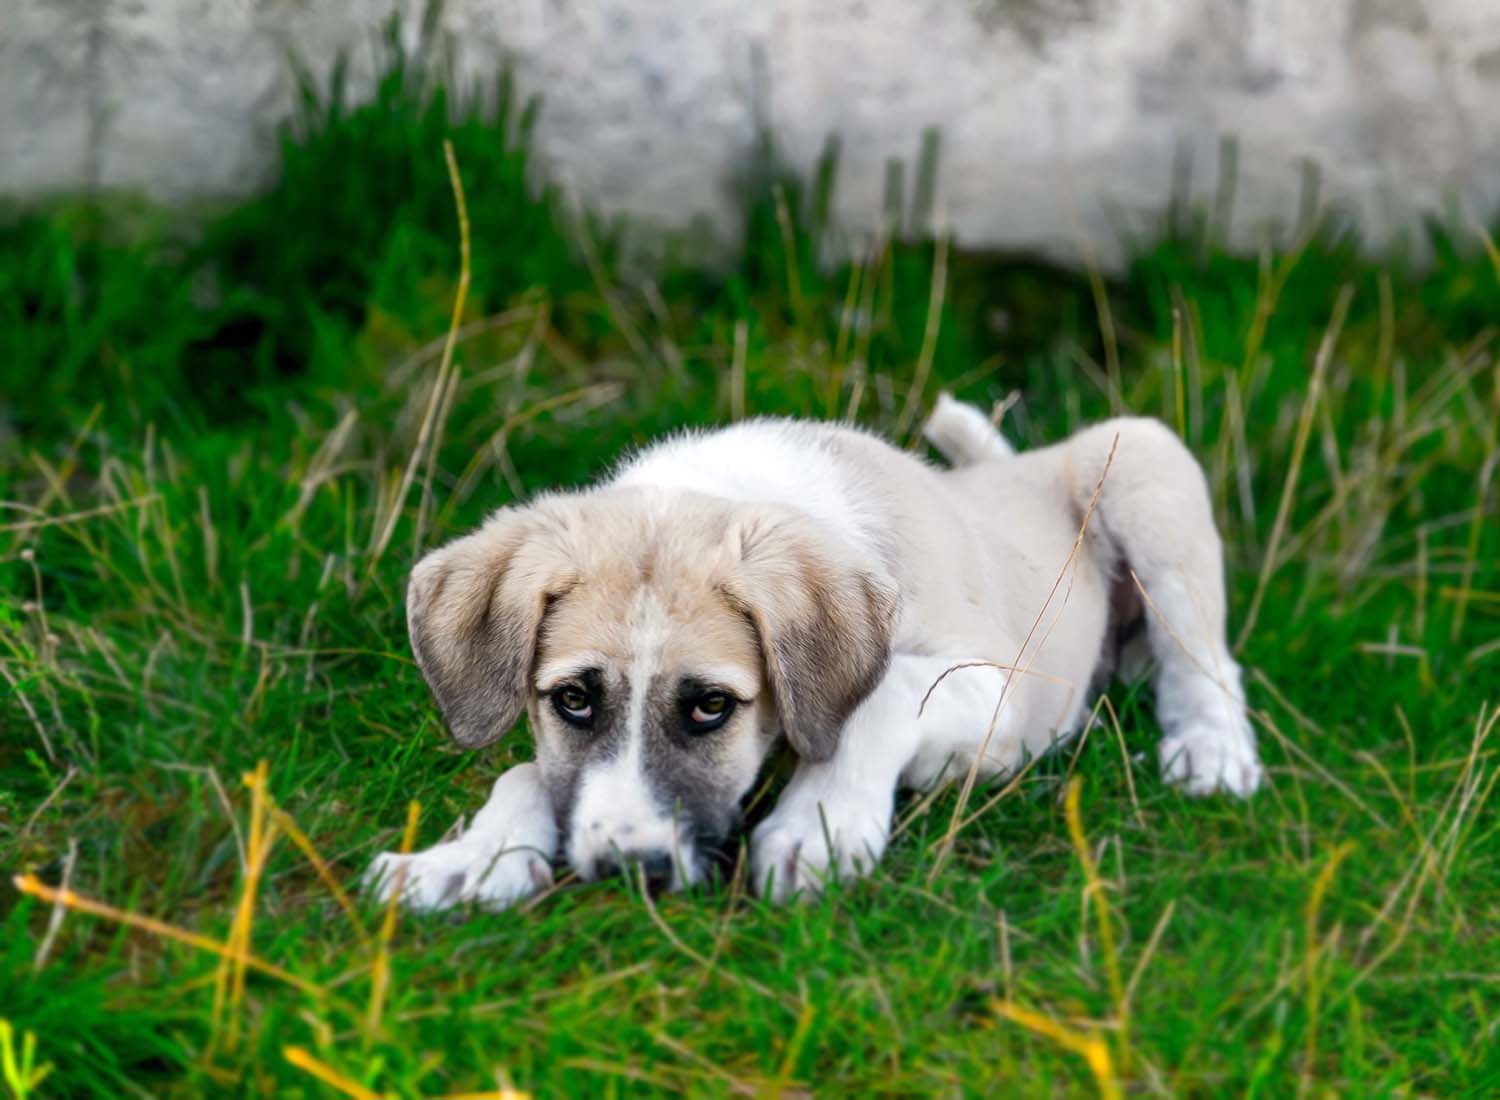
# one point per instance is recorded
(1060, 118)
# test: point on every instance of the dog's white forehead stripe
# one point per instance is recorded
(649, 628)
(616, 808)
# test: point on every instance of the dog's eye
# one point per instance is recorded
(573, 705)
(709, 712)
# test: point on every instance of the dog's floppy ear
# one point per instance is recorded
(825, 622)
(473, 608)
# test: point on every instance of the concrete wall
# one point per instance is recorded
(1060, 118)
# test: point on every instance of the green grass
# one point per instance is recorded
(203, 433)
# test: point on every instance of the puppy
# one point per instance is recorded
(896, 623)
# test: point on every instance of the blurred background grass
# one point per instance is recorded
(204, 432)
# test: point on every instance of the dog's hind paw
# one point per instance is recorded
(1205, 759)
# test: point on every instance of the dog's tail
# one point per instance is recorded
(962, 434)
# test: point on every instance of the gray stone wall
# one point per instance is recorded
(1061, 120)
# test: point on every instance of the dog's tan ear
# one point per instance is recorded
(473, 609)
(825, 622)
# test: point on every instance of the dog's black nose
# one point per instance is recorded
(655, 866)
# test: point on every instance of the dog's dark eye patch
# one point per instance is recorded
(704, 707)
(579, 699)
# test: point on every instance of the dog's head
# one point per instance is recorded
(661, 642)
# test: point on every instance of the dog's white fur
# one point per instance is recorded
(999, 623)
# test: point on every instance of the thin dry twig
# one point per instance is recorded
(288, 826)
(1149, 951)
(59, 910)
(445, 367)
(1294, 468)
(945, 845)
(698, 957)
(73, 517)
(929, 339)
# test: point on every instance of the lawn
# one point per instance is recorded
(225, 439)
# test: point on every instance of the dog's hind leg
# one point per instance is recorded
(962, 434)
(1154, 520)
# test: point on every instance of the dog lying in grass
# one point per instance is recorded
(898, 624)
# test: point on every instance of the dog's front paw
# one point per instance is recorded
(1204, 759)
(802, 845)
(457, 874)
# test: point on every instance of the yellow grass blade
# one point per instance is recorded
(1093, 1050)
(257, 851)
(1314, 949)
(1094, 892)
(32, 886)
(303, 1060)
(380, 970)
